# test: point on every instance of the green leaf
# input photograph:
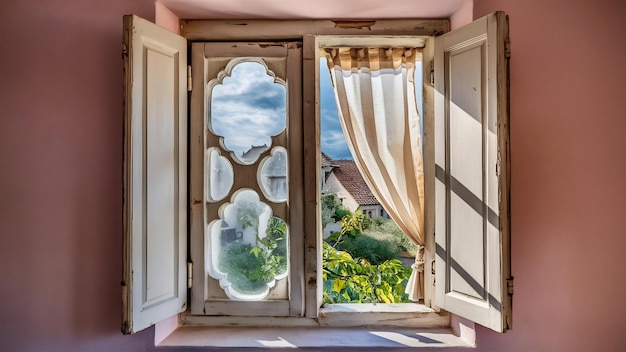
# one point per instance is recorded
(339, 285)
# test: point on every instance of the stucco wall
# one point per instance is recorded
(568, 121)
(61, 175)
(61, 178)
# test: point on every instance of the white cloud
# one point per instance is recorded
(248, 107)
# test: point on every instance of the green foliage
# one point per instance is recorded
(386, 229)
(352, 223)
(250, 267)
(240, 264)
(341, 212)
(347, 280)
(375, 251)
(248, 214)
(330, 205)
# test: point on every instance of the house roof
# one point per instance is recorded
(325, 160)
(351, 179)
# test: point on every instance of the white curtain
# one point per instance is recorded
(375, 93)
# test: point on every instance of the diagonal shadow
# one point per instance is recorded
(467, 196)
(479, 207)
(442, 253)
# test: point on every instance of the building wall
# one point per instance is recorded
(334, 186)
(61, 179)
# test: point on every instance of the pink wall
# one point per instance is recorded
(61, 178)
(463, 15)
(568, 126)
(165, 18)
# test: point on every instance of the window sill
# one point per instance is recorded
(326, 338)
(338, 326)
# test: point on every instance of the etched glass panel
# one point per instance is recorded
(219, 175)
(273, 175)
(247, 108)
(248, 248)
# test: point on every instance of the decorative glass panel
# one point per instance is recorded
(273, 175)
(219, 175)
(247, 108)
(248, 248)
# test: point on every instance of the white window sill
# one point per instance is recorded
(339, 326)
(320, 337)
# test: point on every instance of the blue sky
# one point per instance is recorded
(332, 138)
(248, 108)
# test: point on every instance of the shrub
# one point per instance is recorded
(386, 229)
(330, 204)
(347, 280)
(375, 251)
(250, 267)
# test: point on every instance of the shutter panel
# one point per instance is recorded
(155, 174)
(472, 172)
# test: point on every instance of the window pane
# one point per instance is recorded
(273, 175)
(248, 248)
(247, 108)
(219, 176)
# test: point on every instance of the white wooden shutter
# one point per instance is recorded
(155, 174)
(472, 172)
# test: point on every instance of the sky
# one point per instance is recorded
(332, 137)
(249, 107)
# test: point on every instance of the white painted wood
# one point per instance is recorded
(338, 315)
(471, 167)
(155, 174)
(255, 30)
(318, 339)
(428, 116)
(209, 60)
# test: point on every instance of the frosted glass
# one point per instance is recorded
(219, 176)
(273, 175)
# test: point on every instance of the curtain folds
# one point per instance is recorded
(375, 93)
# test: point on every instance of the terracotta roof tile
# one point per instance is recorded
(350, 177)
(325, 160)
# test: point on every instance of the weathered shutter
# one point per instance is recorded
(155, 174)
(472, 172)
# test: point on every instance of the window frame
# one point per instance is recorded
(310, 33)
(393, 34)
(286, 58)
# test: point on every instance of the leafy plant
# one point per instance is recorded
(251, 267)
(374, 250)
(240, 264)
(388, 230)
(272, 251)
(347, 280)
(352, 223)
(330, 204)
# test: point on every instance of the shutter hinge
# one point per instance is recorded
(189, 274)
(507, 48)
(189, 80)
(432, 77)
(509, 286)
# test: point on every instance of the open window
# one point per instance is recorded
(240, 194)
